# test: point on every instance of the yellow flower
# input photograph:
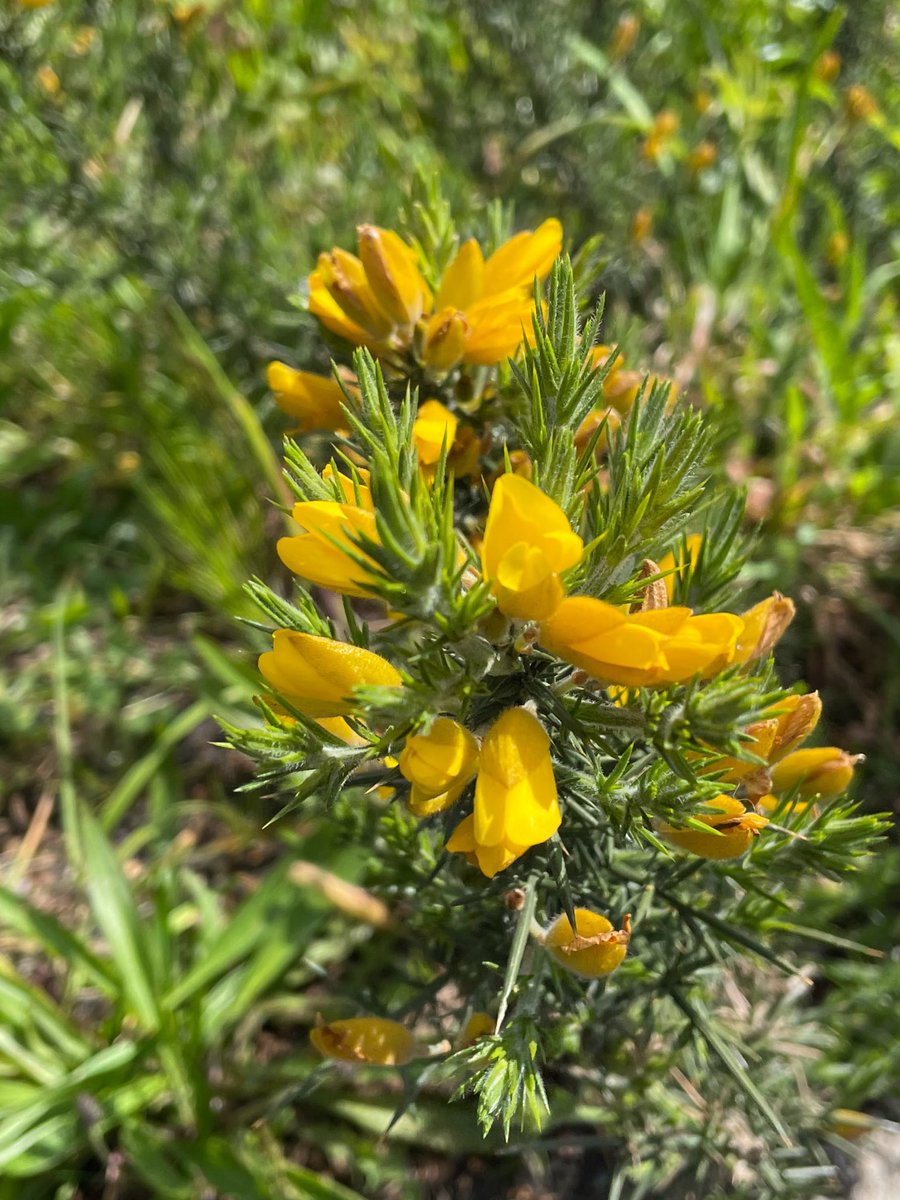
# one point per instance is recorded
(643, 649)
(676, 567)
(323, 553)
(479, 1025)
(641, 225)
(825, 771)
(438, 764)
(827, 66)
(373, 1040)
(736, 825)
(528, 542)
(516, 804)
(317, 675)
(594, 948)
(479, 315)
(314, 401)
(48, 80)
(435, 427)
(859, 103)
(702, 157)
(602, 640)
(764, 625)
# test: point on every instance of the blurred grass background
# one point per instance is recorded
(170, 172)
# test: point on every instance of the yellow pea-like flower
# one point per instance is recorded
(528, 542)
(438, 764)
(317, 674)
(516, 803)
(601, 639)
(324, 553)
(314, 401)
(515, 264)
(735, 826)
(824, 771)
(593, 948)
(434, 428)
(374, 1040)
(479, 1025)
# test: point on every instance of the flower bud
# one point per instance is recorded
(438, 764)
(374, 1040)
(764, 625)
(594, 948)
(796, 717)
(392, 272)
(736, 828)
(624, 35)
(825, 771)
(317, 674)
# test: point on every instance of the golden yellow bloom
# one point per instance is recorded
(737, 827)
(516, 804)
(702, 102)
(824, 771)
(83, 40)
(859, 103)
(323, 553)
(479, 1025)
(35, 3)
(642, 649)
(317, 675)
(827, 66)
(479, 315)
(641, 225)
(702, 157)
(314, 401)
(675, 567)
(764, 625)
(438, 764)
(435, 427)
(594, 948)
(374, 1040)
(528, 542)
(48, 80)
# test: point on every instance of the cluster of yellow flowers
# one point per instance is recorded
(527, 556)
(528, 552)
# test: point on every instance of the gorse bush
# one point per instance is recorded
(509, 668)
